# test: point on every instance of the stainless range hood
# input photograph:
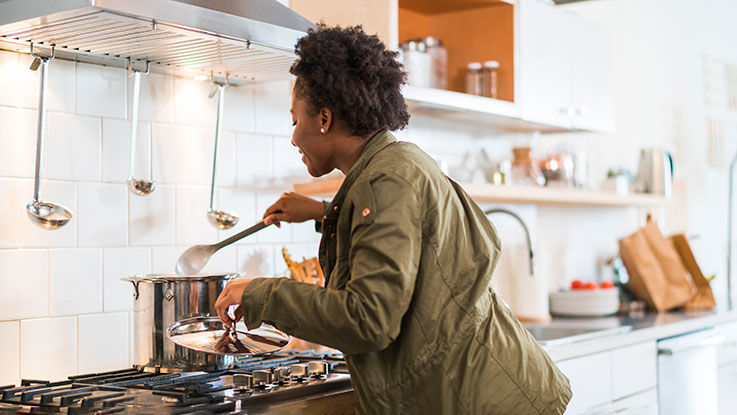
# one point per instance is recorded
(250, 40)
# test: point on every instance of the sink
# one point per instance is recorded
(558, 334)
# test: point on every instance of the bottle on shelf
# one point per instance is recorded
(489, 77)
(474, 80)
(524, 171)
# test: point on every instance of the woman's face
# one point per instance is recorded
(312, 144)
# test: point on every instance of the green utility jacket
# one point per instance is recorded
(408, 258)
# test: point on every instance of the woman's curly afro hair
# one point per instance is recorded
(353, 75)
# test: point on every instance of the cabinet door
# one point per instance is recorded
(727, 352)
(591, 75)
(590, 378)
(642, 403)
(634, 369)
(544, 85)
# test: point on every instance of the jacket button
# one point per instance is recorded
(332, 235)
(335, 208)
(366, 212)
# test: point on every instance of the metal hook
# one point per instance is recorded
(212, 79)
(129, 66)
(45, 58)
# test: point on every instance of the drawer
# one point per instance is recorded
(590, 378)
(634, 369)
(727, 352)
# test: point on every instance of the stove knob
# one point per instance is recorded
(244, 382)
(317, 368)
(298, 371)
(282, 374)
(262, 377)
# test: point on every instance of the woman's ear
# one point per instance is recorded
(326, 120)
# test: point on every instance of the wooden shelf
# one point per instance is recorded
(499, 115)
(488, 193)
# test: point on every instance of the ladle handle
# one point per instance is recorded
(41, 128)
(134, 121)
(218, 122)
(240, 235)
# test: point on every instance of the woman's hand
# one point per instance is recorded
(293, 207)
(231, 295)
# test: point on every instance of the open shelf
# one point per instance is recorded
(499, 115)
(488, 193)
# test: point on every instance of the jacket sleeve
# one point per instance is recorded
(385, 243)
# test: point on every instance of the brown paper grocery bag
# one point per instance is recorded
(656, 273)
(704, 298)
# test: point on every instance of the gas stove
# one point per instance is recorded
(253, 386)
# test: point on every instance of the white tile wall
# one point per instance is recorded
(192, 226)
(117, 263)
(10, 356)
(72, 151)
(75, 281)
(116, 142)
(24, 284)
(48, 348)
(154, 100)
(255, 166)
(102, 219)
(173, 153)
(101, 91)
(152, 217)
(103, 342)
(10, 219)
(192, 105)
(18, 141)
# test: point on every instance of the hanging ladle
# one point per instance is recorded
(47, 215)
(221, 219)
(140, 187)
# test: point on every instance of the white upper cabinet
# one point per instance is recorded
(565, 74)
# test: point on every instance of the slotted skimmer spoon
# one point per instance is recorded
(195, 258)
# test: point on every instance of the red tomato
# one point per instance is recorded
(576, 284)
(606, 284)
(589, 286)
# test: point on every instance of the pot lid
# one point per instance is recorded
(209, 335)
(160, 278)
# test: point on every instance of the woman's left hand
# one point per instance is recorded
(231, 295)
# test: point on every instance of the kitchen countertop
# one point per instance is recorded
(649, 326)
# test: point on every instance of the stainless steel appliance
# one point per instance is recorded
(687, 374)
(162, 300)
(655, 173)
(247, 40)
(277, 383)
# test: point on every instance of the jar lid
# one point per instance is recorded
(491, 64)
(474, 66)
(432, 42)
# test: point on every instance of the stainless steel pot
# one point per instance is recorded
(162, 300)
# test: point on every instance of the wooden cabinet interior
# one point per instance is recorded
(471, 31)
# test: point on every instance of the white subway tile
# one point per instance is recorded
(17, 141)
(191, 104)
(24, 284)
(60, 90)
(27, 81)
(256, 260)
(103, 342)
(203, 149)
(238, 111)
(101, 90)
(254, 160)
(102, 218)
(11, 208)
(118, 263)
(152, 217)
(9, 73)
(305, 232)
(73, 147)
(164, 258)
(63, 193)
(116, 142)
(155, 99)
(192, 226)
(272, 112)
(48, 348)
(10, 356)
(173, 154)
(75, 281)
(288, 166)
(243, 202)
(271, 234)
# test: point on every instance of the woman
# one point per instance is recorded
(408, 256)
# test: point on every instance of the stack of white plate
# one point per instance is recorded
(585, 303)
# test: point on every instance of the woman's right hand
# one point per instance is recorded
(293, 207)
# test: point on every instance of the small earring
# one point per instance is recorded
(322, 130)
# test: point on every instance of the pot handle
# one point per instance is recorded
(169, 294)
(135, 289)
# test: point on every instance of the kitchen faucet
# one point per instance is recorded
(527, 232)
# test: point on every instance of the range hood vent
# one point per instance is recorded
(249, 40)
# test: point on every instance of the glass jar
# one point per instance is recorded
(474, 85)
(489, 75)
(438, 62)
(524, 171)
(417, 63)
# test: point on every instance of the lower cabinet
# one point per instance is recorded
(613, 381)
